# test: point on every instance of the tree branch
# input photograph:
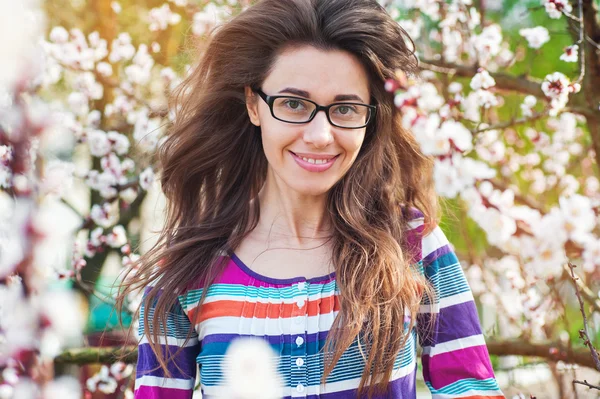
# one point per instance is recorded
(530, 202)
(511, 347)
(584, 290)
(545, 350)
(510, 123)
(80, 356)
(587, 384)
(503, 81)
(583, 333)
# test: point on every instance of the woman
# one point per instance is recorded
(300, 211)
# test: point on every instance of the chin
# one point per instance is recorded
(309, 187)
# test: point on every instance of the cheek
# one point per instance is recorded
(275, 140)
(352, 144)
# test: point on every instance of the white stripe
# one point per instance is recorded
(266, 326)
(321, 389)
(172, 341)
(151, 381)
(457, 344)
(456, 299)
(251, 299)
(413, 224)
(432, 241)
(471, 392)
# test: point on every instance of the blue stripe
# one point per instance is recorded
(465, 385)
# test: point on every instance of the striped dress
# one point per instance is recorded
(294, 316)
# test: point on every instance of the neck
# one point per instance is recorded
(291, 218)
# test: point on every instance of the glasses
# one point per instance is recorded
(300, 110)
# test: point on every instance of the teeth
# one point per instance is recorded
(316, 161)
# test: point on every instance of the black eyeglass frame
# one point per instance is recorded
(271, 99)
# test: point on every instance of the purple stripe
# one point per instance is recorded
(412, 213)
(453, 322)
(429, 259)
(447, 368)
(403, 387)
(413, 239)
(277, 281)
(271, 339)
(146, 392)
(147, 363)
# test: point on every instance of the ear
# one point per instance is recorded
(252, 106)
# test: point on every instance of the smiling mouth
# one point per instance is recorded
(315, 161)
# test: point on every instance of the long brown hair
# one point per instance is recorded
(213, 166)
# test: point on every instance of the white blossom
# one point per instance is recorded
(580, 218)
(536, 37)
(591, 255)
(571, 53)
(250, 370)
(102, 381)
(146, 178)
(98, 143)
(59, 35)
(58, 177)
(457, 173)
(161, 17)
(63, 387)
(22, 24)
(5, 171)
(461, 136)
(412, 27)
(487, 44)
(116, 7)
(146, 132)
(128, 195)
(210, 16)
(498, 226)
(117, 238)
(104, 69)
(104, 215)
(555, 8)
(119, 142)
(548, 259)
(96, 237)
(557, 87)
(140, 70)
(121, 49)
(428, 97)
(482, 80)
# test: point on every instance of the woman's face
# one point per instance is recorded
(323, 77)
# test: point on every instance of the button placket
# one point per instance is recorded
(298, 351)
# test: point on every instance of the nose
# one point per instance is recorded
(318, 131)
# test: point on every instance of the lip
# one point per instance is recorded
(311, 167)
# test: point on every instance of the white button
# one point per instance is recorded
(299, 320)
(299, 341)
(299, 362)
(301, 286)
(300, 388)
(300, 303)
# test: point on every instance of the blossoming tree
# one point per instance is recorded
(506, 105)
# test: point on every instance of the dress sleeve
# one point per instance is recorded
(455, 359)
(150, 380)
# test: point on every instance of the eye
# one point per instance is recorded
(345, 109)
(294, 104)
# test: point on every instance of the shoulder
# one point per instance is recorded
(413, 236)
(425, 240)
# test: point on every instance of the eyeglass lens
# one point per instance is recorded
(298, 111)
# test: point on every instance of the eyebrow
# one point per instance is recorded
(339, 97)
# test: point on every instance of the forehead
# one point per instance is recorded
(322, 73)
